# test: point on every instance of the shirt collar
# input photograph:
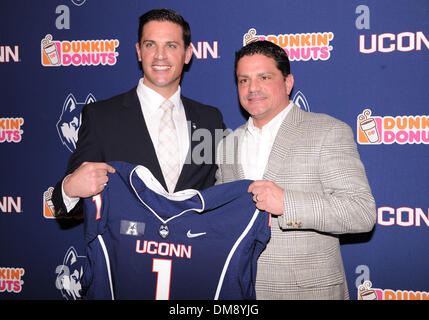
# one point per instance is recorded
(152, 100)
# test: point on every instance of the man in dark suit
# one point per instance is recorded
(127, 127)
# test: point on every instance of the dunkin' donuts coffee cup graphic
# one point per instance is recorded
(368, 126)
(365, 292)
(50, 50)
(48, 205)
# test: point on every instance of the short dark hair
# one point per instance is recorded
(268, 49)
(165, 15)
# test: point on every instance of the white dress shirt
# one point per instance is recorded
(150, 102)
(257, 144)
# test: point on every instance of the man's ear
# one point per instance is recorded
(138, 51)
(188, 54)
(289, 81)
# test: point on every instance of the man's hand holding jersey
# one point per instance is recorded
(87, 180)
(268, 196)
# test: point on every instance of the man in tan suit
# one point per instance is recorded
(307, 173)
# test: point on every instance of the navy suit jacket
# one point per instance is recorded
(115, 130)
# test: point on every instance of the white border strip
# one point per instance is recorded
(106, 256)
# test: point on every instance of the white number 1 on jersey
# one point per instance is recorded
(163, 268)
(98, 202)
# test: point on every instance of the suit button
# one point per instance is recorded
(296, 224)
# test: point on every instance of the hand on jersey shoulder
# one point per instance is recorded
(87, 180)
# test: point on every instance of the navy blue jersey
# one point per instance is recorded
(143, 243)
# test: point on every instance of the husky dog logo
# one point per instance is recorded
(69, 275)
(78, 2)
(300, 100)
(164, 231)
(69, 123)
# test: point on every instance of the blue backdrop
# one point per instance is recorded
(364, 62)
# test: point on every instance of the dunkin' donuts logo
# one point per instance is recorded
(78, 52)
(367, 292)
(298, 46)
(11, 279)
(389, 130)
(11, 129)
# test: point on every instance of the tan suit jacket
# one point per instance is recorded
(315, 160)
